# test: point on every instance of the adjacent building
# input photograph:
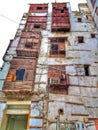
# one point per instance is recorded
(93, 5)
(49, 78)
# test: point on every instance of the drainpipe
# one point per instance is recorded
(57, 123)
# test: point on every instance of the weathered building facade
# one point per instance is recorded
(49, 78)
(93, 5)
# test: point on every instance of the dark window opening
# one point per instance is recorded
(96, 10)
(54, 47)
(81, 39)
(62, 11)
(20, 74)
(40, 8)
(92, 35)
(86, 69)
(45, 7)
(62, 78)
(60, 111)
(60, 29)
(79, 20)
(28, 45)
(36, 25)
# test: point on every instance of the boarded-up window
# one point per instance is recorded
(20, 74)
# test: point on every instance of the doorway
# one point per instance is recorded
(17, 122)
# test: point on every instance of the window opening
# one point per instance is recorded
(79, 19)
(57, 47)
(28, 45)
(62, 11)
(62, 77)
(36, 25)
(60, 111)
(39, 8)
(20, 74)
(86, 69)
(81, 39)
(92, 35)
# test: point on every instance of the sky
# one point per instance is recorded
(11, 12)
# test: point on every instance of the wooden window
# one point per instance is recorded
(80, 39)
(58, 80)
(57, 47)
(57, 74)
(86, 70)
(20, 74)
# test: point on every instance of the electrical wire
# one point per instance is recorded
(8, 18)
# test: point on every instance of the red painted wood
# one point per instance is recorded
(38, 8)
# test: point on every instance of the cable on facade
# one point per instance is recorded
(8, 18)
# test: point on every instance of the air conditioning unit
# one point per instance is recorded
(54, 80)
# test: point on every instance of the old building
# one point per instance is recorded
(49, 78)
(93, 5)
